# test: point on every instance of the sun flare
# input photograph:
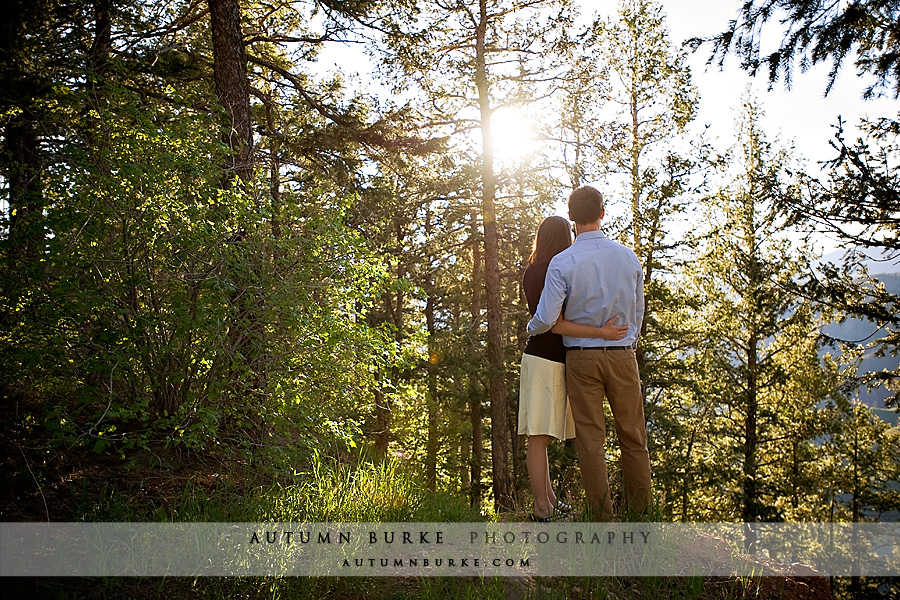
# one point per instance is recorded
(514, 135)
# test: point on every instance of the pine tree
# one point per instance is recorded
(165, 292)
(760, 379)
(858, 200)
(817, 32)
(626, 66)
(862, 463)
(468, 59)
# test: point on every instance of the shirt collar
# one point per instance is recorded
(589, 235)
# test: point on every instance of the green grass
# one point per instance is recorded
(370, 491)
(325, 489)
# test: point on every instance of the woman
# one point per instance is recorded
(543, 407)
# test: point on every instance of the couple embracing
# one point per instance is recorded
(587, 302)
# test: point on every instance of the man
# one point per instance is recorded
(599, 279)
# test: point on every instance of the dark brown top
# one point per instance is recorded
(547, 345)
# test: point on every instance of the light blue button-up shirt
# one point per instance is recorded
(598, 279)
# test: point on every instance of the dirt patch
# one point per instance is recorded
(43, 482)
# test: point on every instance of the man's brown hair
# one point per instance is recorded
(585, 205)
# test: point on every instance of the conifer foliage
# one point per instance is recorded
(210, 237)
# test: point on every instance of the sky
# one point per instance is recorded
(801, 117)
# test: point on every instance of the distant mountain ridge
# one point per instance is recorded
(878, 262)
(863, 332)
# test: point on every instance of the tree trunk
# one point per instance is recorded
(246, 333)
(637, 220)
(382, 420)
(275, 192)
(102, 44)
(26, 196)
(383, 416)
(636, 216)
(474, 395)
(751, 508)
(688, 477)
(476, 491)
(464, 451)
(499, 439)
(232, 85)
(432, 444)
(751, 441)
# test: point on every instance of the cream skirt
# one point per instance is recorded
(543, 404)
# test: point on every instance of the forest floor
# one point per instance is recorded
(76, 484)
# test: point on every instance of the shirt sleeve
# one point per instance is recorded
(550, 305)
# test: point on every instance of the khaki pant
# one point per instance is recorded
(592, 374)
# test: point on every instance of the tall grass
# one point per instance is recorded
(326, 490)
(368, 491)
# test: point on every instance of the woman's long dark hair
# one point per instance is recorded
(553, 236)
